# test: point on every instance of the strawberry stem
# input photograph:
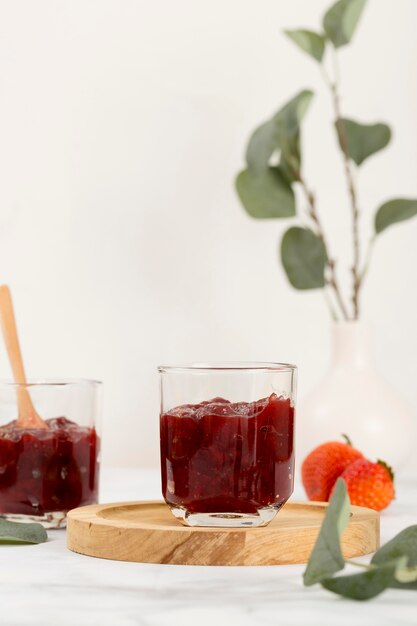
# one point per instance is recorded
(387, 467)
(347, 439)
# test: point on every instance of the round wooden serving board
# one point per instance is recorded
(147, 532)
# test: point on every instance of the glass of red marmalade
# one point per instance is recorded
(45, 472)
(227, 441)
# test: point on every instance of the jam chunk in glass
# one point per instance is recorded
(232, 458)
(47, 470)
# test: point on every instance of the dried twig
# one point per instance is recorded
(331, 280)
(356, 274)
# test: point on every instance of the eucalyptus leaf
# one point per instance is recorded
(288, 119)
(394, 211)
(367, 584)
(405, 586)
(290, 159)
(267, 194)
(282, 133)
(362, 140)
(304, 258)
(341, 20)
(17, 532)
(288, 122)
(262, 144)
(309, 41)
(326, 557)
(406, 575)
(403, 544)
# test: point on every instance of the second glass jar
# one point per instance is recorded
(227, 441)
(46, 471)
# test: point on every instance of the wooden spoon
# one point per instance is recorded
(28, 417)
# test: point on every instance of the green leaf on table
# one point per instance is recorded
(326, 557)
(309, 41)
(394, 211)
(17, 532)
(406, 578)
(267, 194)
(367, 584)
(403, 544)
(304, 258)
(341, 19)
(362, 140)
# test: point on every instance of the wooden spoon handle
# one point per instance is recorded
(28, 418)
(8, 327)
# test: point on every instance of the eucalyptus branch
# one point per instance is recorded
(331, 280)
(356, 564)
(392, 565)
(273, 161)
(334, 88)
(329, 303)
(367, 262)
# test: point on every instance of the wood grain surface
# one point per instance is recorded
(146, 532)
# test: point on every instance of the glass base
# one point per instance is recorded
(226, 520)
(51, 520)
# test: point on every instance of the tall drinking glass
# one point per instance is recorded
(227, 441)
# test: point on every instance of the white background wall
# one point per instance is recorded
(122, 125)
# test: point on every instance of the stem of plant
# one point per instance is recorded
(329, 303)
(367, 259)
(332, 281)
(362, 565)
(334, 88)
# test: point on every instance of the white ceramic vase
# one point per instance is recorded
(353, 398)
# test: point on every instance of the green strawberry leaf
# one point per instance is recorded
(347, 439)
(387, 467)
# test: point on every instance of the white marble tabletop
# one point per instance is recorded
(47, 584)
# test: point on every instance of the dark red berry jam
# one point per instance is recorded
(49, 469)
(220, 457)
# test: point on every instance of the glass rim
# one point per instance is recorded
(228, 366)
(51, 382)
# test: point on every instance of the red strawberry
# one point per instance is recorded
(324, 465)
(369, 484)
